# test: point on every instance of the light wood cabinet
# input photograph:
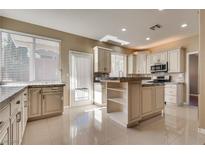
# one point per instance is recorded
(159, 57)
(159, 97)
(52, 103)
(176, 61)
(16, 120)
(147, 99)
(131, 61)
(141, 63)
(174, 93)
(152, 99)
(12, 129)
(15, 130)
(149, 64)
(34, 102)
(5, 135)
(102, 59)
(45, 101)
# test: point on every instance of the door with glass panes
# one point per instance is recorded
(81, 78)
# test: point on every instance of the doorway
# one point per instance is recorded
(81, 78)
(192, 89)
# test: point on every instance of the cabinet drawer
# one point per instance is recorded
(15, 105)
(171, 99)
(171, 86)
(172, 92)
(4, 116)
(51, 89)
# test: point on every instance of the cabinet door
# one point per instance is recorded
(5, 135)
(148, 71)
(141, 64)
(163, 57)
(52, 103)
(34, 102)
(173, 61)
(14, 131)
(107, 61)
(147, 99)
(156, 58)
(131, 64)
(159, 97)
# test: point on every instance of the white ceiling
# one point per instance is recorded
(96, 24)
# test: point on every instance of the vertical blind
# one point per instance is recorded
(26, 58)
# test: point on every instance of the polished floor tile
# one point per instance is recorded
(91, 125)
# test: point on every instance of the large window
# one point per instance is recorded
(26, 58)
(118, 65)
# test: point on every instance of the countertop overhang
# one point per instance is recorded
(125, 79)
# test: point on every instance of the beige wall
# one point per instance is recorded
(201, 69)
(68, 42)
(190, 43)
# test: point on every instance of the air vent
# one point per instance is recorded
(155, 27)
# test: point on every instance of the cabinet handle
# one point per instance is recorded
(1, 124)
(18, 117)
(18, 102)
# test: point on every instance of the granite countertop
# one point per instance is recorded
(8, 91)
(125, 79)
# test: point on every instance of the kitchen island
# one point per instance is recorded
(129, 101)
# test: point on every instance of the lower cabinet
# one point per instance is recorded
(160, 99)
(52, 103)
(152, 99)
(147, 99)
(5, 136)
(34, 102)
(45, 101)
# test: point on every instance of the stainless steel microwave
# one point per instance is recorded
(159, 68)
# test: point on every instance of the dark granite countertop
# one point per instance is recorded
(125, 79)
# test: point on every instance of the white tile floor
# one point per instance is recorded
(91, 125)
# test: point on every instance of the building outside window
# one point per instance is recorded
(26, 58)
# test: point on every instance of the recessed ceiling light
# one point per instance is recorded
(148, 38)
(160, 9)
(184, 25)
(124, 29)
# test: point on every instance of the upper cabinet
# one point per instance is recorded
(176, 61)
(131, 61)
(141, 63)
(159, 57)
(102, 59)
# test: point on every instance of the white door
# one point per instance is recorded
(81, 78)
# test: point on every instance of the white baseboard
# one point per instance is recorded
(201, 130)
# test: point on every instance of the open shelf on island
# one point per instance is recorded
(117, 89)
(117, 100)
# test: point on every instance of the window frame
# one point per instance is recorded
(34, 37)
